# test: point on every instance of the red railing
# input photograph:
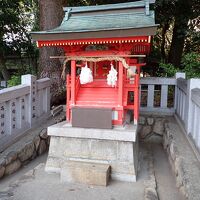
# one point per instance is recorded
(68, 95)
(132, 85)
(78, 84)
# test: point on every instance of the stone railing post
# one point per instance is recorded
(31, 101)
(46, 99)
(192, 84)
(177, 76)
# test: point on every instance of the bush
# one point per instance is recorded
(168, 70)
(15, 80)
(191, 65)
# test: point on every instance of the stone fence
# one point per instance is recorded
(155, 93)
(22, 107)
(174, 96)
(188, 107)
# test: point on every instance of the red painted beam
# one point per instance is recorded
(89, 41)
(98, 53)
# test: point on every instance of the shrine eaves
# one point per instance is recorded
(115, 23)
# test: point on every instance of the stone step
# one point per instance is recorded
(85, 172)
(57, 110)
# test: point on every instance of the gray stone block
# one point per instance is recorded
(150, 120)
(10, 157)
(36, 141)
(42, 147)
(26, 152)
(173, 150)
(2, 162)
(85, 172)
(43, 133)
(158, 127)
(142, 120)
(57, 110)
(146, 130)
(2, 170)
(165, 141)
(12, 167)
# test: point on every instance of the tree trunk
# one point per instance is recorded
(51, 15)
(164, 30)
(177, 45)
(3, 69)
(182, 16)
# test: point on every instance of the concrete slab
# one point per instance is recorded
(64, 129)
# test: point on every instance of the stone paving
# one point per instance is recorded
(35, 184)
(184, 162)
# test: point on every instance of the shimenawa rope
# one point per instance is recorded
(109, 58)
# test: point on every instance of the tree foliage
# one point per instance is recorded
(16, 20)
(177, 40)
(178, 21)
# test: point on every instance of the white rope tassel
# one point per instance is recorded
(112, 76)
(86, 75)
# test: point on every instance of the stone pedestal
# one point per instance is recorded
(117, 147)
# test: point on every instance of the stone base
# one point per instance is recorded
(84, 172)
(117, 147)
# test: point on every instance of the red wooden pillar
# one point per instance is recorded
(68, 97)
(136, 96)
(73, 82)
(120, 84)
(120, 90)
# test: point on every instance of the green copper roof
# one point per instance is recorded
(105, 22)
(111, 17)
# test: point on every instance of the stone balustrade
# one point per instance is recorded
(188, 108)
(22, 107)
(154, 95)
(174, 96)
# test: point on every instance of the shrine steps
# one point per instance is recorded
(98, 97)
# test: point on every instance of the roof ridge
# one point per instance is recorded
(79, 9)
(114, 14)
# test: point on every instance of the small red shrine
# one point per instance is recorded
(99, 36)
(107, 46)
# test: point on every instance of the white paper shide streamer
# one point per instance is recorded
(112, 76)
(86, 75)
